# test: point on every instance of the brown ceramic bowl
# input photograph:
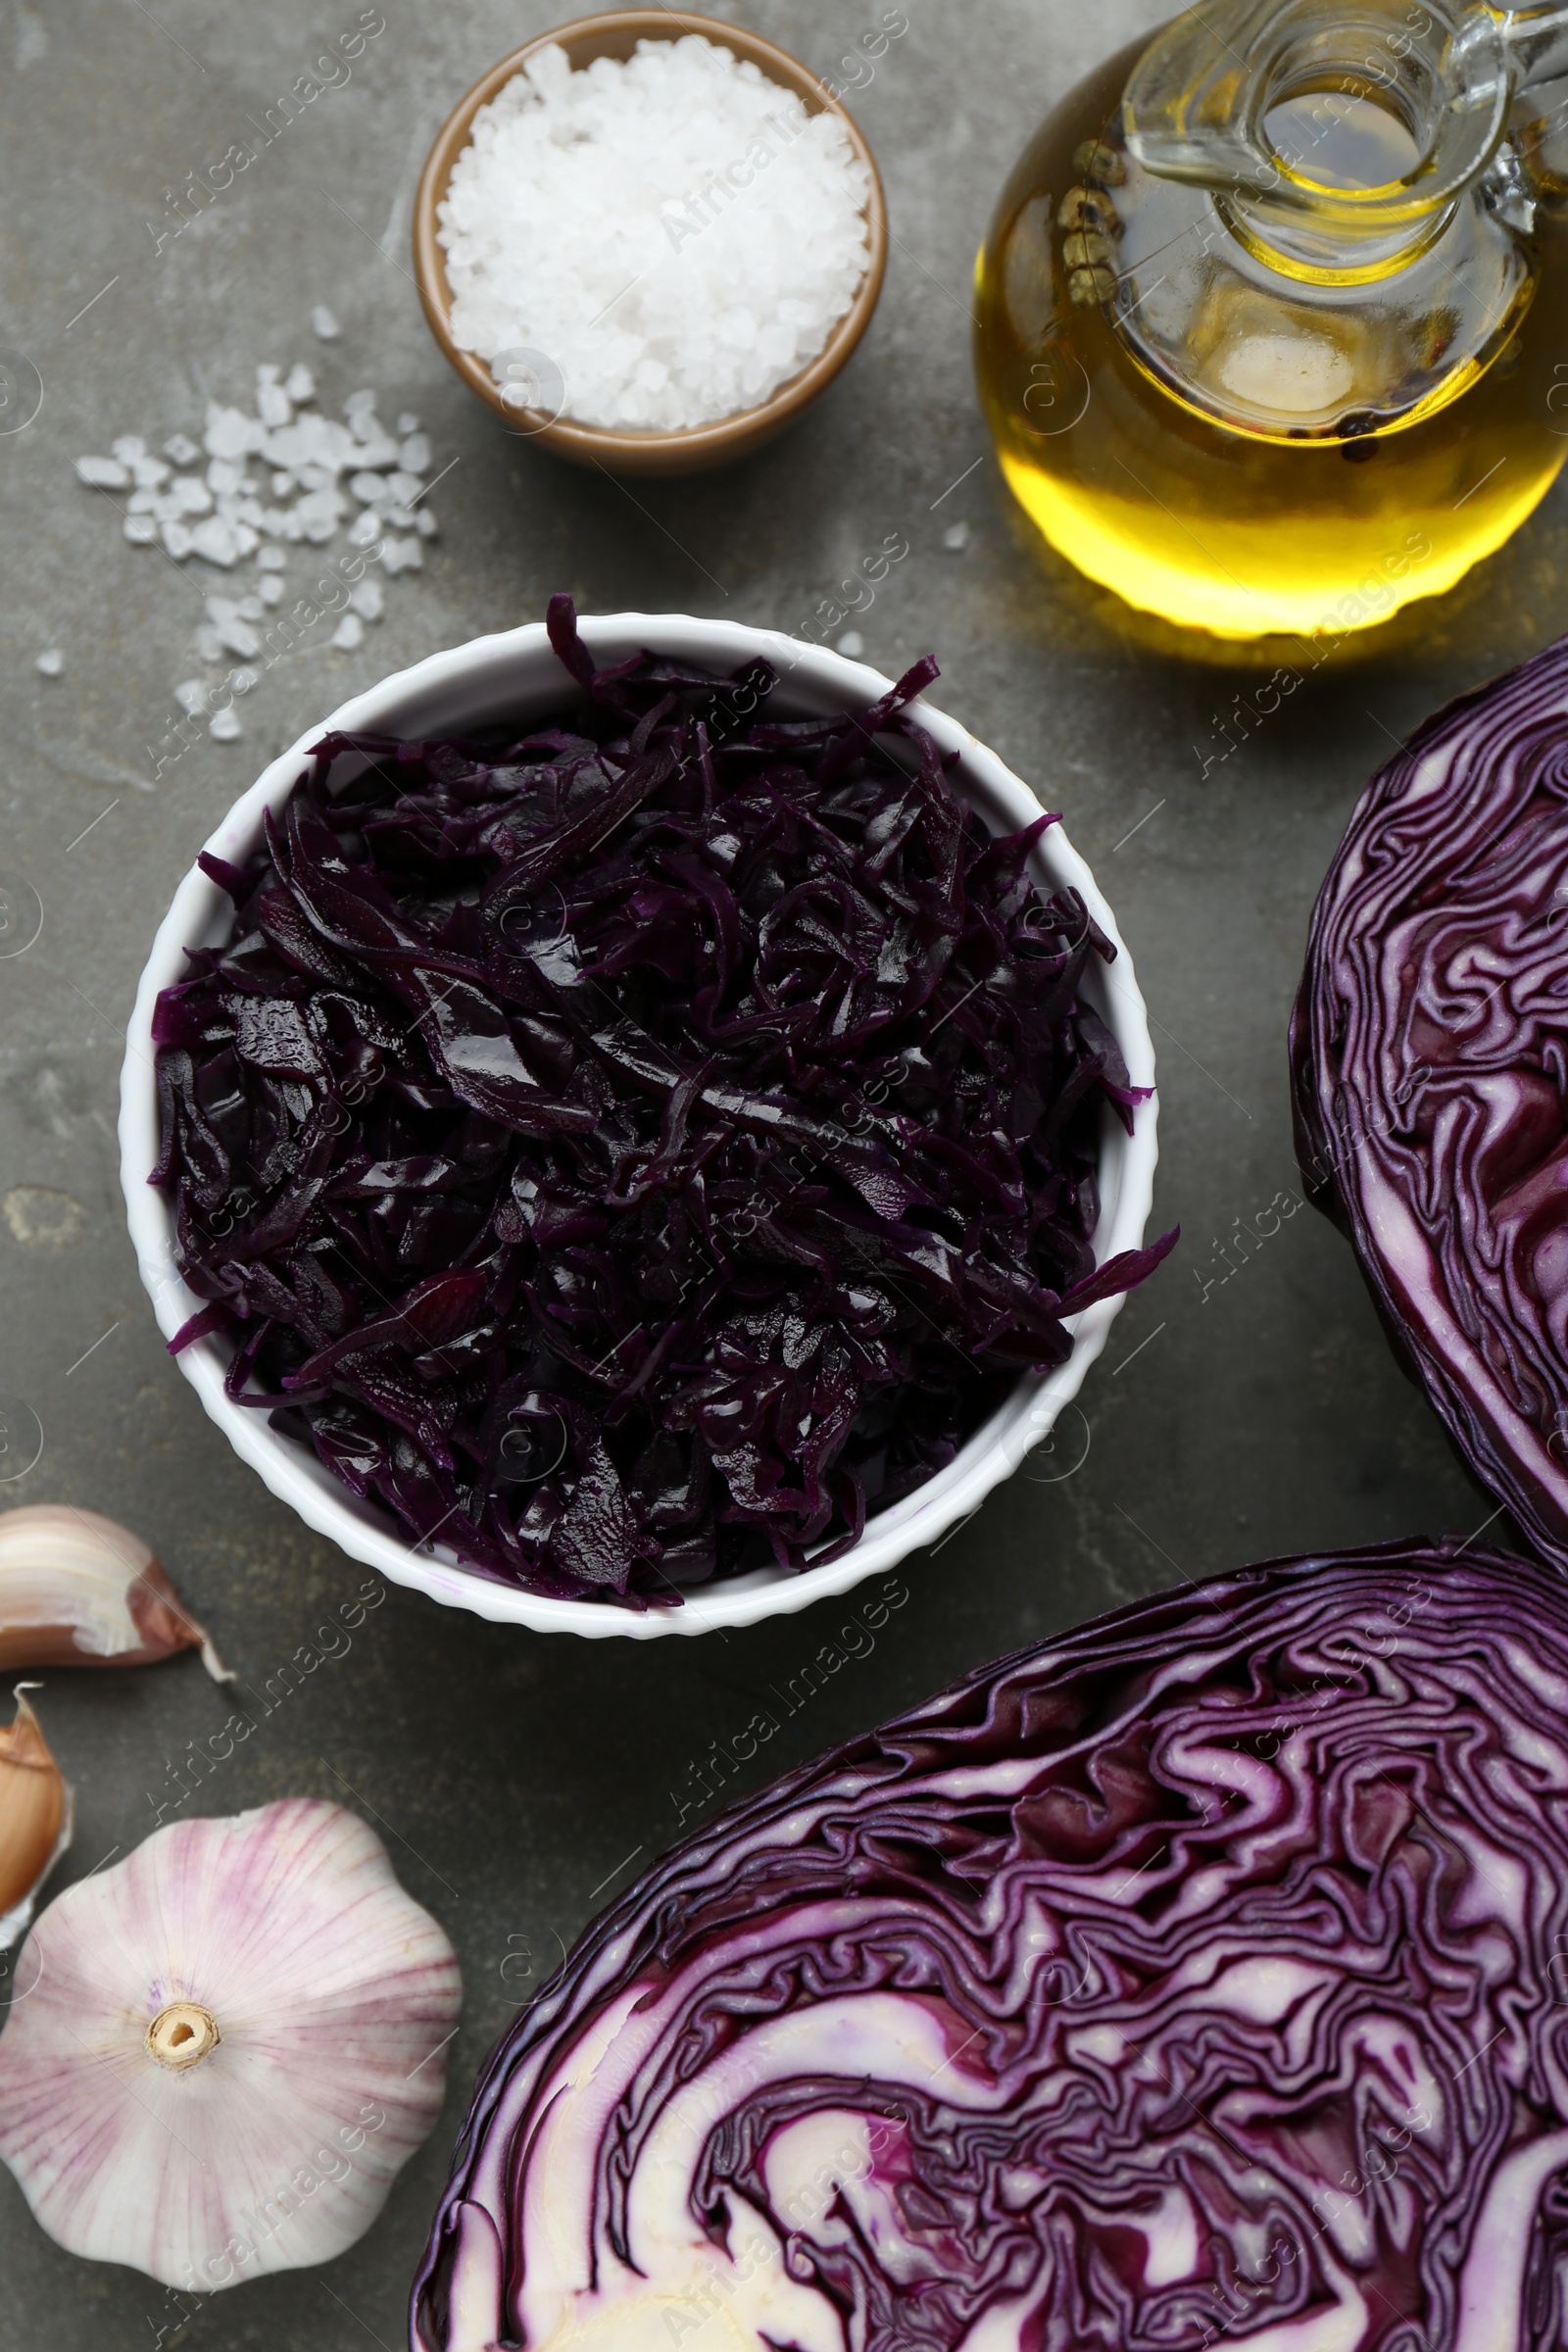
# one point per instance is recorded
(617, 34)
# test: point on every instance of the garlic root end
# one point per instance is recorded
(182, 2035)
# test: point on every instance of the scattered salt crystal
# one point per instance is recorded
(292, 447)
(601, 223)
(370, 446)
(323, 325)
(313, 462)
(956, 536)
(49, 664)
(320, 512)
(216, 540)
(237, 636)
(231, 433)
(223, 726)
(332, 444)
(852, 645)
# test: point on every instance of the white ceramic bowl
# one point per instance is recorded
(516, 676)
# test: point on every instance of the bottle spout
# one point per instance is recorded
(1366, 116)
(1187, 111)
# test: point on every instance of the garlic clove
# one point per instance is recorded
(78, 1589)
(235, 2038)
(34, 1816)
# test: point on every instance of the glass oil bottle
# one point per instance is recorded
(1273, 313)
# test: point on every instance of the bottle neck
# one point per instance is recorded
(1338, 132)
(1256, 318)
(1318, 253)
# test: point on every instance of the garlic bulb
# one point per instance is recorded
(77, 1589)
(34, 1816)
(236, 2038)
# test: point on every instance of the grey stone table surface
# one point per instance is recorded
(1247, 1404)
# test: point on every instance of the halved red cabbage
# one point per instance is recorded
(1429, 1052)
(639, 1148)
(1199, 1976)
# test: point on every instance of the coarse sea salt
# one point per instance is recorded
(280, 472)
(673, 232)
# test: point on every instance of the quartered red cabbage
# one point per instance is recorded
(1429, 1053)
(1199, 1977)
(635, 1151)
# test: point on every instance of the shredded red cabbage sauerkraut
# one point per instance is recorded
(635, 1150)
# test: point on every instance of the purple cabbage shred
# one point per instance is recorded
(635, 1151)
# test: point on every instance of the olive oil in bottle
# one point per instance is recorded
(1275, 350)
